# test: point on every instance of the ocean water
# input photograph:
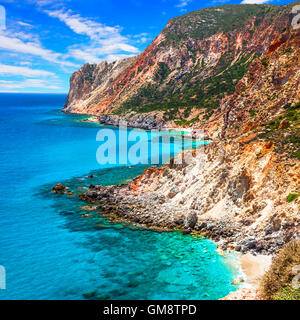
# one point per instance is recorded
(50, 251)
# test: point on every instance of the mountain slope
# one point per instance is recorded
(194, 62)
(243, 188)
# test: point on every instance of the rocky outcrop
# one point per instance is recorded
(234, 193)
(238, 83)
(90, 80)
(59, 188)
(244, 294)
(146, 121)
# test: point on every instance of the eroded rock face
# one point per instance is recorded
(177, 60)
(227, 192)
(148, 121)
(87, 84)
(272, 83)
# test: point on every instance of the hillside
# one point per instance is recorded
(182, 76)
(243, 188)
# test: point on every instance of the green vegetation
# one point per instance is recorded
(190, 94)
(252, 112)
(277, 282)
(177, 95)
(162, 72)
(208, 115)
(284, 130)
(206, 22)
(296, 155)
(186, 123)
(287, 293)
(265, 62)
(288, 50)
(292, 196)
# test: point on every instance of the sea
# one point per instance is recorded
(50, 250)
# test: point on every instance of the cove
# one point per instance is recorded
(50, 251)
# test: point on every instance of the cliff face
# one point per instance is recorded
(267, 90)
(91, 79)
(196, 60)
(231, 192)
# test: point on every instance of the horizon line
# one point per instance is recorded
(33, 92)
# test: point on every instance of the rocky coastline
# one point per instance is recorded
(178, 197)
(139, 121)
(175, 197)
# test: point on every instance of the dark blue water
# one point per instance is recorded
(50, 251)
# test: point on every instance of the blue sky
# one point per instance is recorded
(45, 41)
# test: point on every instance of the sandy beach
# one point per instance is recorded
(253, 268)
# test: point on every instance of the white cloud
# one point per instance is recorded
(24, 24)
(84, 55)
(105, 41)
(32, 48)
(96, 55)
(142, 37)
(114, 57)
(183, 3)
(25, 63)
(29, 83)
(43, 3)
(83, 26)
(255, 1)
(23, 71)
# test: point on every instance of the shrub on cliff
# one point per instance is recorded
(277, 282)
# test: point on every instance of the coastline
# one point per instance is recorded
(167, 198)
(253, 268)
(156, 200)
(194, 134)
(145, 121)
(90, 119)
(147, 202)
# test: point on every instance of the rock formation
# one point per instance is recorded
(194, 62)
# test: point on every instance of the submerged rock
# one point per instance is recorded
(89, 294)
(59, 188)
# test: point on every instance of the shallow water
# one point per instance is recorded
(51, 252)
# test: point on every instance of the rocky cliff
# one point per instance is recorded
(90, 80)
(231, 192)
(196, 60)
(243, 188)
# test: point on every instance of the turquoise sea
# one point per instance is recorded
(50, 251)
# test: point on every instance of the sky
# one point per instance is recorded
(42, 42)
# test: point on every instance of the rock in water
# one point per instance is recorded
(59, 188)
